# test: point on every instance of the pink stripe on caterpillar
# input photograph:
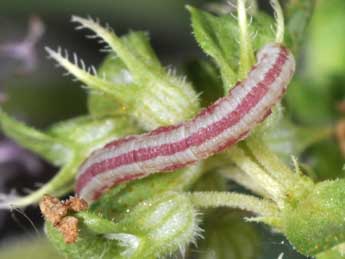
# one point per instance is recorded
(220, 125)
(118, 142)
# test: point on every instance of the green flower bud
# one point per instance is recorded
(316, 222)
(154, 228)
(138, 83)
(337, 252)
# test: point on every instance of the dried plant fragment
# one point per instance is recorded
(68, 227)
(340, 134)
(55, 211)
(76, 204)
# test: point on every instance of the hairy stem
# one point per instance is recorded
(279, 17)
(93, 81)
(258, 174)
(59, 184)
(234, 200)
(271, 163)
(247, 58)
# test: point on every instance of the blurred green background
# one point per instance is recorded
(45, 96)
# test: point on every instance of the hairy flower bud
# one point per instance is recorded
(154, 228)
(317, 222)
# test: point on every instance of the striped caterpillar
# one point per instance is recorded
(221, 125)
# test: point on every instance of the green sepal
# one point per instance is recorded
(59, 185)
(89, 244)
(100, 104)
(326, 159)
(84, 135)
(156, 89)
(139, 44)
(114, 70)
(53, 149)
(91, 132)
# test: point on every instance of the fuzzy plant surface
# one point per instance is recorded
(191, 209)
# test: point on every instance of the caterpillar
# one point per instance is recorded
(220, 125)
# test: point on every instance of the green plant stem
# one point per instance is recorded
(58, 185)
(271, 163)
(241, 178)
(234, 200)
(247, 58)
(258, 174)
(279, 17)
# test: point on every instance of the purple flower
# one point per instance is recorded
(14, 160)
(24, 51)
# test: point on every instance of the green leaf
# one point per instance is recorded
(206, 80)
(261, 29)
(287, 139)
(55, 150)
(326, 160)
(298, 17)
(312, 103)
(218, 37)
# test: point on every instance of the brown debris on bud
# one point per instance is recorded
(68, 227)
(56, 212)
(341, 107)
(52, 209)
(76, 204)
(340, 134)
